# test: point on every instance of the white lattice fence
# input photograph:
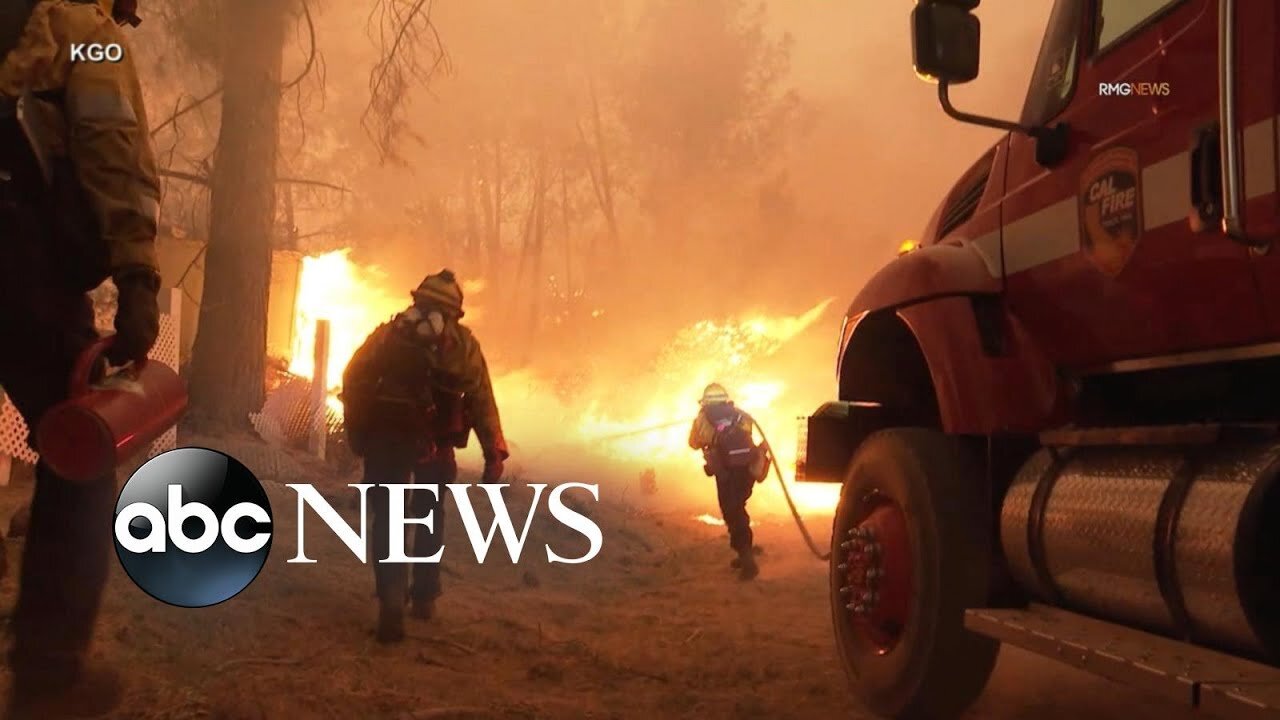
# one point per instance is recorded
(13, 430)
(290, 415)
(295, 411)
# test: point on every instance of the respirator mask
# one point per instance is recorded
(423, 324)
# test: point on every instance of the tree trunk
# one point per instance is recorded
(495, 234)
(566, 233)
(290, 222)
(539, 235)
(526, 240)
(228, 364)
(472, 226)
(606, 179)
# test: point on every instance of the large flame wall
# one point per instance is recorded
(627, 411)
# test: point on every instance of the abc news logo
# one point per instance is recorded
(193, 527)
(1142, 89)
(97, 52)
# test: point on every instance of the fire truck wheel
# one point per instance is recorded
(910, 551)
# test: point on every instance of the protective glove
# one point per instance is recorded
(492, 470)
(137, 315)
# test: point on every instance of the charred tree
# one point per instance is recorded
(598, 167)
(537, 285)
(565, 233)
(228, 367)
(468, 192)
(494, 240)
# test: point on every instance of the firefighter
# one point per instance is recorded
(724, 434)
(412, 394)
(79, 199)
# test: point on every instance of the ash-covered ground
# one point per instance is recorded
(656, 626)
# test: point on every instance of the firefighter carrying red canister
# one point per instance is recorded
(79, 198)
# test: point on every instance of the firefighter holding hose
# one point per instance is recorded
(79, 199)
(412, 393)
(724, 434)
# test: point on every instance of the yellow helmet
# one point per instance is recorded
(714, 394)
(441, 290)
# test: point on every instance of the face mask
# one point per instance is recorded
(432, 326)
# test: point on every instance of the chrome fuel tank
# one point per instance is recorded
(1179, 540)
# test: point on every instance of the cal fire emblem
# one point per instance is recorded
(1111, 209)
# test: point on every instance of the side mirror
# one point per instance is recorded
(945, 40)
(945, 37)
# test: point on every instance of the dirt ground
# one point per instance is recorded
(656, 626)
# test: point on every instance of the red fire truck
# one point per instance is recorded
(1057, 421)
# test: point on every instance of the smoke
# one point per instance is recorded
(612, 173)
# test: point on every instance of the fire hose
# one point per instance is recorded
(795, 514)
(773, 459)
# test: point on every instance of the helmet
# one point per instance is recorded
(714, 394)
(440, 290)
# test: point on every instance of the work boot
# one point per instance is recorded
(390, 624)
(92, 691)
(747, 568)
(736, 563)
(423, 609)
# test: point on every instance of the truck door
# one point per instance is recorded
(1257, 102)
(1102, 262)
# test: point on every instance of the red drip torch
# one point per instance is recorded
(101, 425)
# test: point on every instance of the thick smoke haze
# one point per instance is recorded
(643, 196)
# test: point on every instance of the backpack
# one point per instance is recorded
(733, 442)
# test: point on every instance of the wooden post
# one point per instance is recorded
(320, 390)
(6, 467)
(175, 316)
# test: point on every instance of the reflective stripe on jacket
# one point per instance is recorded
(100, 123)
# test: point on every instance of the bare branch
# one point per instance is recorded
(192, 106)
(311, 54)
(400, 66)
(204, 180)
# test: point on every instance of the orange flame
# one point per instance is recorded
(733, 353)
(643, 422)
(354, 300)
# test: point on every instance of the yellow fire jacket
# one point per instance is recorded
(92, 112)
(454, 364)
(703, 432)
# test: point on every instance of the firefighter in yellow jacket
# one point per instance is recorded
(412, 394)
(724, 434)
(79, 199)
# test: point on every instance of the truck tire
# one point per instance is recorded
(910, 551)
